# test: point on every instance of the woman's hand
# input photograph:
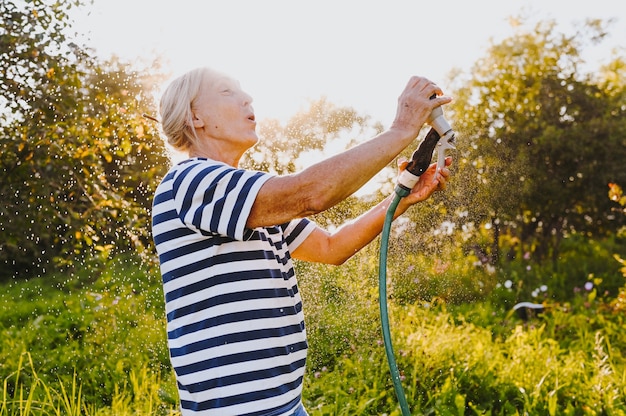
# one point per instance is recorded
(431, 180)
(415, 105)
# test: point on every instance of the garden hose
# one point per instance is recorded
(420, 160)
(384, 316)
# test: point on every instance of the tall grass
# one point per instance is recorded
(453, 367)
(25, 394)
(95, 345)
(475, 358)
(76, 344)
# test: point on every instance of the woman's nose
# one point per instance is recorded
(247, 99)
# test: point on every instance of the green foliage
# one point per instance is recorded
(446, 274)
(340, 305)
(539, 140)
(617, 195)
(37, 80)
(475, 358)
(581, 262)
(31, 395)
(105, 340)
(306, 133)
(79, 163)
(450, 366)
(73, 343)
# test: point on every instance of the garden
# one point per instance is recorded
(534, 212)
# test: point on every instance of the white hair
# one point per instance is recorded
(176, 104)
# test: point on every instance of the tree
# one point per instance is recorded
(77, 159)
(310, 130)
(539, 140)
(304, 139)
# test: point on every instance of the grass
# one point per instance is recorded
(452, 367)
(88, 345)
(25, 393)
(94, 344)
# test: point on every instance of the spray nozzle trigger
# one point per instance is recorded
(446, 143)
(441, 125)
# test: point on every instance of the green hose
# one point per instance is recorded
(382, 290)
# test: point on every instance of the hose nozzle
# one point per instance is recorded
(439, 122)
(440, 136)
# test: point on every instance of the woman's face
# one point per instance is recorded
(223, 114)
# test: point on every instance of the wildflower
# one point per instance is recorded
(508, 284)
(97, 296)
(588, 286)
(543, 288)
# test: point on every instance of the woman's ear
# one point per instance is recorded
(197, 121)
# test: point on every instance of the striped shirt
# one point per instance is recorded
(235, 324)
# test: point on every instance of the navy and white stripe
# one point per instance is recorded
(235, 324)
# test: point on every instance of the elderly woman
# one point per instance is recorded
(226, 238)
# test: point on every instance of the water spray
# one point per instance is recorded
(440, 137)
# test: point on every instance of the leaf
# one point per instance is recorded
(592, 295)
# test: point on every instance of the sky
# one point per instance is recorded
(356, 53)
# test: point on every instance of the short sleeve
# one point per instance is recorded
(214, 198)
(296, 231)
